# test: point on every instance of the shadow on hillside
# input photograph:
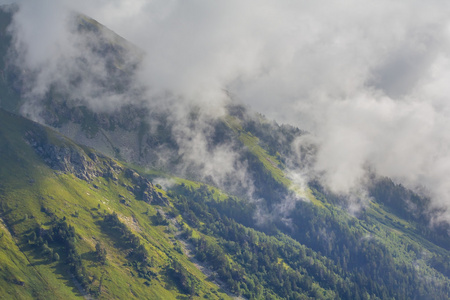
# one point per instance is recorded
(35, 258)
(90, 256)
(60, 268)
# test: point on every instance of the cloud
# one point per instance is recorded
(368, 79)
(50, 52)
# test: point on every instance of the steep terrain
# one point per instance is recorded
(78, 223)
(75, 223)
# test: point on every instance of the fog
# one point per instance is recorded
(368, 79)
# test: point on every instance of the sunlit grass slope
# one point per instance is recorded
(34, 196)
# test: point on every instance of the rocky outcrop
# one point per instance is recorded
(64, 157)
(67, 157)
(144, 190)
(70, 158)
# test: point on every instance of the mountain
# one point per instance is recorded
(143, 201)
(75, 221)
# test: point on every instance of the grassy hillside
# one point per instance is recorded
(35, 198)
(271, 163)
(75, 223)
(378, 242)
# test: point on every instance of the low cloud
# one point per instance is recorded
(368, 79)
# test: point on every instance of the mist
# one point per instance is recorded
(367, 79)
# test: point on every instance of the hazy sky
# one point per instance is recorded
(369, 79)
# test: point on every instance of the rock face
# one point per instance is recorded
(69, 158)
(144, 190)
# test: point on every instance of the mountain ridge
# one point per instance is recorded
(261, 235)
(45, 210)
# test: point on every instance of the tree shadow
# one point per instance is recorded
(35, 254)
(61, 268)
(90, 256)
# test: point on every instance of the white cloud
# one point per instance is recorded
(368, 78)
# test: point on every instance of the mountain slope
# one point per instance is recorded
(52, 189)
(260, 235)
(36, 198)
(48, 181)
